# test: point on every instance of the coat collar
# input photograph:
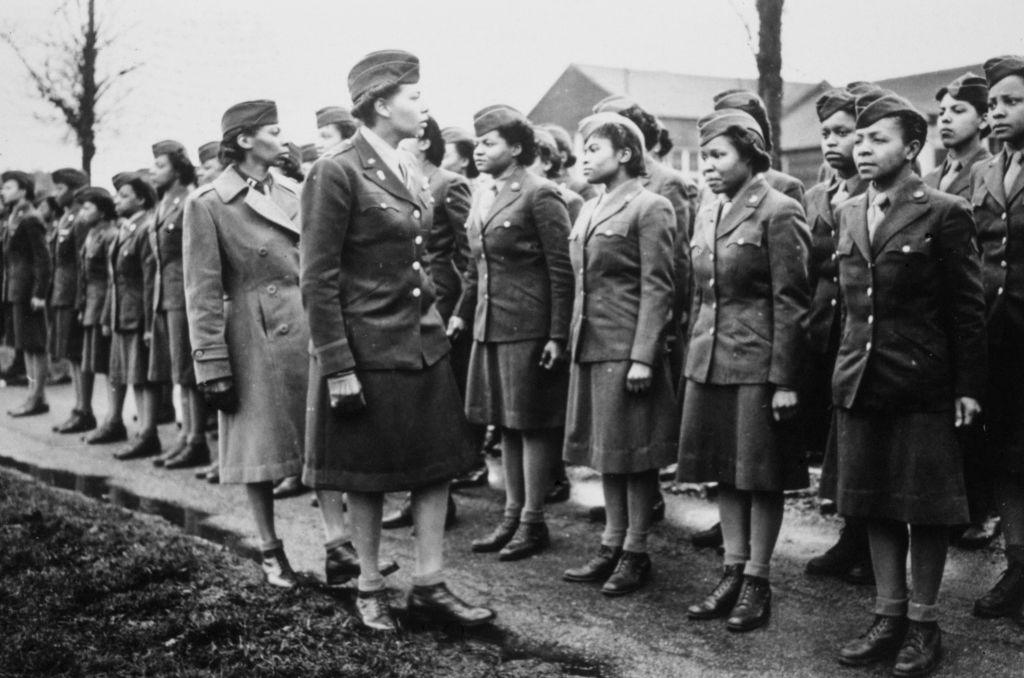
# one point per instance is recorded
(962, 182)
(908, 204)
(743, 205)
(378, 172)
(613, 203)
(510, 192)
(994, 178)
(230, 184)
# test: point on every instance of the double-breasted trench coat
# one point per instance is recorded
(246, 322)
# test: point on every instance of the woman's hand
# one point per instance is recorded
(220, 394)
(147, 338)
(456, 325)
(784, 403)
(346, 393)
(639, 377)
(967, 411)
(552, 354)
(105, 330)
(37, 303)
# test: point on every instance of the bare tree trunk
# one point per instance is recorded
(87, 115)
(769, 66)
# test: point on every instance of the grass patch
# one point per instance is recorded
(88, 589)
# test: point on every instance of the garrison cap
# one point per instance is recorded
(871, 108)
(835, 100)
(718, 123)
(495, 116)
(336, 115)
(25, 180)
(70, 177)
(139, 183)
(999, 67)
(381, 69)
(592, 122)
(615, 103)
(309, 153)
(858, 87)
(209, 151)
(969, 87)
(122, 178)
(544, 138)
(99, 197)
(256, 113)
(453, 135)
(751, 104)
(167, 147)
(561, 136)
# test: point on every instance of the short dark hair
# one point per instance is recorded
(552, 157)
(183, 167)
(51, 202)
(432, 135)
(913, 126)
(647, 123)
(520, 132)
(665, 144)
(229, 148)
(622, 139)
(749, 148)
(364, 110)
(464, 147)
(346, 129)
(143, 191)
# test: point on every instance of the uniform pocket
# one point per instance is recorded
(747, 234)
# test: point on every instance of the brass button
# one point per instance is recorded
(871, 319)
(1003, 263)
(198, 353)
(999, 291)
(416, 292)
(416, 213)
(283, 329)
(416, 266)
(263, 251)
(833, 302)
(712, 331)
(271, 289)
(867, 347)
(418, 240)
(870, 291)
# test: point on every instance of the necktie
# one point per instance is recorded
(949, 176)
(723, 210)
(876, 212)
(487, 200)
(841, 195)
(1012, 172)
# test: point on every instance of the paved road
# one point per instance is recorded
(642, 635)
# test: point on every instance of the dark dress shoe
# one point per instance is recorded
(559, 492)
(30, 408)
(850, 550)
(632, 572)
(597, 514)
(1006, 598)
(861, 574)
(497, 539)
(529, 539)
(451, 515)
(142, 446)
(753, 608)
(15, 380)
(78, 422)
(111, 432)
(979, 536)
(722, 598)
(709, 538)
(201, 473)
(881, 641)
(213, 475)
(342, 565)
(437, 604)
(475, 478)
(921, 651)
(598, 568)
(374, 610)
(289, 487)
(165, 413)
(196, 453)
(58, 381)
(276, 569)
(402, 517)
(171, 453)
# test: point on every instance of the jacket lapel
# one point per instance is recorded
(994, 178)
(607, 210)
(582, 226)
(268, 208)
(377, 171)
(743, 205)
(909, 205)
(510, 192)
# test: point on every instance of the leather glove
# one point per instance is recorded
(345, 393)
(220, 394)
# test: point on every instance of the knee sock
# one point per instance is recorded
(641, 490)
(734, 513)
(616, 511)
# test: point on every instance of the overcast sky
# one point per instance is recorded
(200, 56)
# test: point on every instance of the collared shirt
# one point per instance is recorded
(608, 197)
(390, 155)
(260, 186)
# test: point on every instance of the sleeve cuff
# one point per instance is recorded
(335, 357)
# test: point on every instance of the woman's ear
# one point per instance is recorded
(380, 106)
(624, 155)
(516, 150)
(914, 149)
(244, 142)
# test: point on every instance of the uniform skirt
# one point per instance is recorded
(26, 329)
(612, 430)
(906, 467)
(508, 387)
(1004, 409)
(728, 436)
(129, 359)
(182, 368)
(159, 351)
(412, 432)
(65, 337)
(95, 350)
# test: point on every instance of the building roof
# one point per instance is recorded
(920, 88)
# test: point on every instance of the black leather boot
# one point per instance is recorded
(598, 568)
(722, 598)
(753, 608)
(497, 539)
(921, 651)
(632, 572)
(437, 604)
(849, 551)
(709, 538)
(1006, 598)
(530, 538)
(143, 445)
(342, 565)
(882, 640)
(276, 569)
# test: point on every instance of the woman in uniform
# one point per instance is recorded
(581, 187)
(210, 164)
(519, 295)
(623, 419)
(334, 124)
(910, 368)
(128, 313)
(750, 251)
(98, 215)
(997, 194)
(384, 407)
(458, 152)
(849, 558)
(26, 277)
